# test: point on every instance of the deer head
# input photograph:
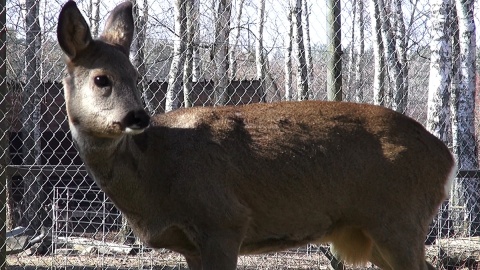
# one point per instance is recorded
(100, 94)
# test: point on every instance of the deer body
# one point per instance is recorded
(213, 183)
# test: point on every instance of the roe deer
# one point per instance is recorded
(213, 183)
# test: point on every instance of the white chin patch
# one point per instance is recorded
(134, 131)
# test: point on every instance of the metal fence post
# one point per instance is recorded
(3, 134)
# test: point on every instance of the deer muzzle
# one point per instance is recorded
(135, 122)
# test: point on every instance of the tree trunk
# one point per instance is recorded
(222, 29)
(288, 56)
(439, 92)
(308, 48)
(440, 70)
(187, 73)
(334, 66)
(259, 54)
(196, 75)
(175, 75)
(233, 50)
(95, 16)
(352, 64)
(401, 97)
(34, 196)
(378, 50)
(5, 191)
(456, 199)
(464, 144)
(138, 48)
(392, 59)
(302, 72)
(360, 51)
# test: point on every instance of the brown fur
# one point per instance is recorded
(213, 183)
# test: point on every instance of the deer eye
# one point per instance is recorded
(102, 81)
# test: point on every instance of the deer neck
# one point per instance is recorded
(116, 168)
(96, 151)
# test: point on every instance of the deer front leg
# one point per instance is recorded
(219, 250)
(194, 262)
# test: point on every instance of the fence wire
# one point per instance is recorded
(226, 52)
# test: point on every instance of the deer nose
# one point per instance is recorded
(136, 121)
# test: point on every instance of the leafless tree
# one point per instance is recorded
(360, 52)
(379, 84)
(94, 15)
(288, 54)
(175, 76)
(138, 49)
(308, 47)
(392, 59)
(222, 31)
(463, 126)
(334, 69)
(33, 214)
(259, 51)
(302, 72)
(236, 37)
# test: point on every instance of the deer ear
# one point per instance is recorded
(73, 33)
(119, 27)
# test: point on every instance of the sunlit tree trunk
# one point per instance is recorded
(334, 65)
(308, 48)
(187, 74)
(259, 53)
(288, 56)
(233, 50)
(34, 196)
(175, 76)
(138, 49)
(401, 96)
(302, 73)
(360, 52)
(464, 144)
(440, 70)
(196, 72)
(379, 60)
(95, 17)
(222, 30)
(353, 59)
(392, 59)
(439, 91)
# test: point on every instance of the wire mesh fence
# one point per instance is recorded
(231, 52)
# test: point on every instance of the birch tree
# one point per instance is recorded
(334, 69)
(175, 75)
(33, 194)
(222, 30)
(95, 16)
(379, 60)
(308, 47)
(392, 59)
(188, 69)
(233, 50)
(259, 53)
(196, 41)
(288, 55)
(440, 70)
(360, 52)
(456, 198)
(353, 39)
(464, 144)
(302, 73)
(138, 49)
(439, 86)
(5, 177)
(401, 96)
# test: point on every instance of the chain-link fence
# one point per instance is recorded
(397, 54)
